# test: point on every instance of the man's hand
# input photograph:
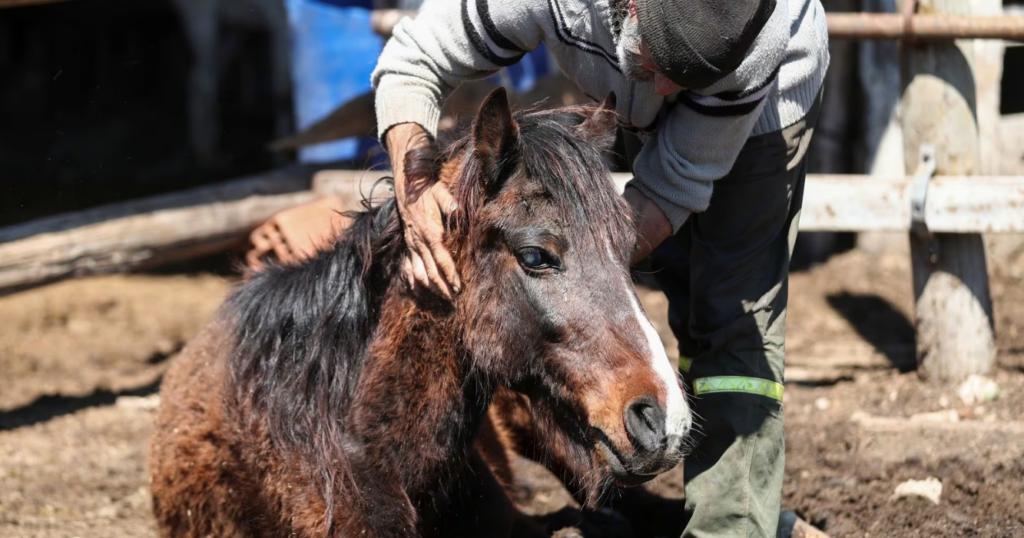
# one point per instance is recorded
(423, 206)
(652, 226)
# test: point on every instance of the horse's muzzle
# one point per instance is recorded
(654, 449)
(646, 426)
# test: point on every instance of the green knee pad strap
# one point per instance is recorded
(749, 385)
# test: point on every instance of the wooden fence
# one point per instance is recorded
(940, 202)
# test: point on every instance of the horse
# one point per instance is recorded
(327, 399)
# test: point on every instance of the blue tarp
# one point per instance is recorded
(334, 52)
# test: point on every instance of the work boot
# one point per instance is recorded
(296, 234)
(791, 526)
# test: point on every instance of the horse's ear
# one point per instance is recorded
(600, 127)
(495, 134)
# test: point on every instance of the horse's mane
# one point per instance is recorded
(300, 334)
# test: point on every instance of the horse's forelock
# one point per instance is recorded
(570, 169)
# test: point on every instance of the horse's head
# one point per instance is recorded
(544, 242)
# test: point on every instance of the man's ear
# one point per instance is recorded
(495, 135)
(600, 127)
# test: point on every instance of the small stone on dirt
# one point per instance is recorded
(949, 415)
(929, 488)
(822, 404)
(978, 389)
(139, 403)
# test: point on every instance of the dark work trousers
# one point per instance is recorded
(726, 274)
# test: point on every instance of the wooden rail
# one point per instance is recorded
(162, 229)
(923, 27)
(855, 203)
(892, 26)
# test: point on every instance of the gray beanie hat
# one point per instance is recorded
(695, 43)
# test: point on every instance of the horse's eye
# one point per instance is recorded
(537, 259)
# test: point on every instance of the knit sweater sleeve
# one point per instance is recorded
(702, 133)
(449, 42)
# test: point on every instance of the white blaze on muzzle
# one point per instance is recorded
(678, 418)
(677, 412)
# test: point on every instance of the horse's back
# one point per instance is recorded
(193, 463)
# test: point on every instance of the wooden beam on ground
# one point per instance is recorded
(953, 305)
(147, 232)
(895, 440)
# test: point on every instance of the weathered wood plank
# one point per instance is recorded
(993, 204)
(849, 202)
(954, 204)
(148, 232)
(894, 440)
(855, 203)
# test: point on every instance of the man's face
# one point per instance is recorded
(636, 57)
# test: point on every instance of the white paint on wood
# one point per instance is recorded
(878, 203)
(834, 202)
(855, 203)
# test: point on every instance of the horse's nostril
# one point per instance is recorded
(645, 424)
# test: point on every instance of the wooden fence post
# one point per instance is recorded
(955, 331)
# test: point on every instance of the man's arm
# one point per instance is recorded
(703, 132)
(449, 42)
(652, 227)
(422, 207)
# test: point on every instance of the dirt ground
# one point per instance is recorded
(82, 362)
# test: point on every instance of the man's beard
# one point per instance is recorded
(628, 50)
(619, 13)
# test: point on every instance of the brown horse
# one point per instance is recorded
(325, 400)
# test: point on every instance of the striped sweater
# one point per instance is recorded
(691, 138)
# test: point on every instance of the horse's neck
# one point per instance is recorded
(416, 407)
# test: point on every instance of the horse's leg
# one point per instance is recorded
(196, 492)
(479, 506)
(517, 433)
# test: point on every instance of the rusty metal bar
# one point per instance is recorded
(24, 3)
(892, 26)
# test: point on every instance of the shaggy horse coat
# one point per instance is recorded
(325, 400)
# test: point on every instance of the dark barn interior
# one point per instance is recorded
(93, 102)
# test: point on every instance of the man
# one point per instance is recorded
(724, 97)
